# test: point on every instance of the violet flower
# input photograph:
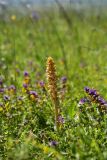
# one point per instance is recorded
(1, 82)
(64, 79)
(1, 90)
(6, 98)
(82, 101)
(60, 119)
(12, 87)
(33, 93)
(53, 143)
(42, 84)
(26, 73)
(35, 15)
(25, 85)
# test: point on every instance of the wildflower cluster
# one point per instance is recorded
(27, 87)
(95, 97)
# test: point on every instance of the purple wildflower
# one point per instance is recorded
(96, 98)
(64, 79)
(92, 92)
(105, 105)
(12, 87)
(25, 85)
(6, 98)
(35, 15)
(53, 143)
(33, 93)
(86, 89)
(82, 101)
(60, 119)
(42, 84)
(101, 101)
(1, 104)
(26, 73)
(1, 90)
(20, 98)
(1, 81)
(17, 70)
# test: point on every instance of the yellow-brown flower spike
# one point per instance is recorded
(52, 86)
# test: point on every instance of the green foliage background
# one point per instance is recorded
(78, 44)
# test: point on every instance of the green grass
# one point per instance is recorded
(80, 54)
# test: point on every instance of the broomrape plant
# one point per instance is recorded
(52, 86)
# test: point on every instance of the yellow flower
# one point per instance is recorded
(1, 109)
(46, 149)
(26, 80)
(13, 17)
(12, 89)
(32, 97)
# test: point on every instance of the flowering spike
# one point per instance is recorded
(96, 98)
(52, 86)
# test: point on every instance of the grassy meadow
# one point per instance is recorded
(77, 43)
